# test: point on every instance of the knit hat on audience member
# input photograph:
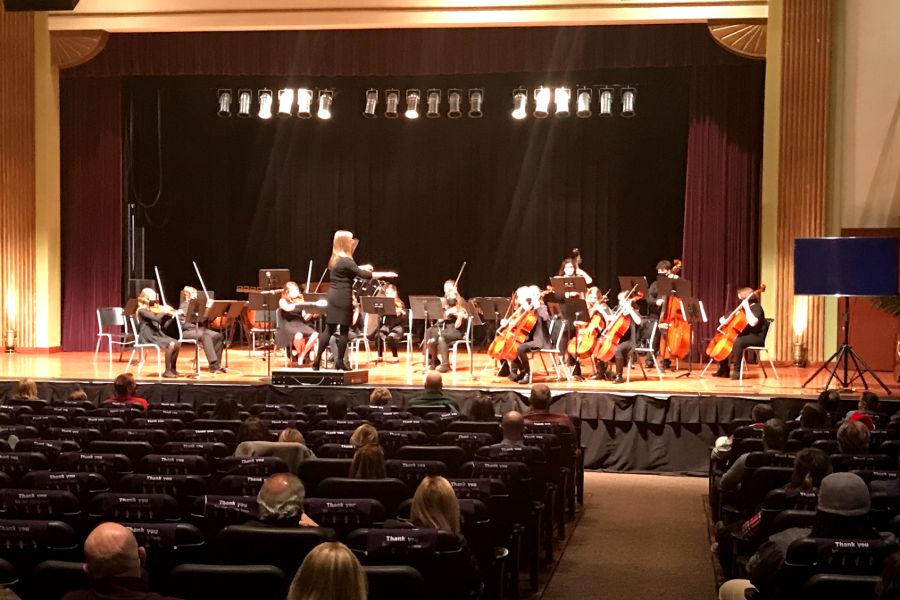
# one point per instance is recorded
(844, 494)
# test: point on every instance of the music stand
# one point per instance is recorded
(231, 318)
(638, 282)
(195, 315)
(131, 306)
(380, 306)
(665, 286)
(260, 302)
(563, 286)
(694, 313)
(492, 309)
(428, 308)
(272, 279)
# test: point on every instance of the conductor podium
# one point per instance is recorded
(288, 376)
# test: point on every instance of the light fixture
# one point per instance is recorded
(371, 104)
(265, 104)
(561, 97)
(9, 340)
(224, 103)
(542, 102)
(628, 100)
(412, 104)
(433, 103)
(244, 98)
(391, 103)
(583, 103)
(326, 98)
(285, 102)
(606, 100)
(520, 103)
(476, 100)
(304, 103)
(454, 100)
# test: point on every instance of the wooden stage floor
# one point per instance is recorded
(246, 369)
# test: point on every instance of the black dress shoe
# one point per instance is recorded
(514, 377)
(316, 365)
(618, 379)
(170, 374)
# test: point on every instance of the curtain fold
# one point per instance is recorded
(722, 187)
(91, 211)
(397, 52)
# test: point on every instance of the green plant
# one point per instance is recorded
(889, 304)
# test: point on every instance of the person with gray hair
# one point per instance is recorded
(113, 561)
(280, 501)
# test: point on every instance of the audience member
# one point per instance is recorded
(513, 428)
(368, 462)
(125, 387)
(113, 561)
(433, 394)
(364, 435)
(26, 389)
(435, 505)
(774, 439)
(289, 434)
(226, 409)
(380, 396)
(889, 587)
(280, 501)
(482, 408)
(868, 404)
(853, 438)
(829, 402)
(540, 409)
(337, 407)
(812, 417)
(759, 414)
(253, 430)
(329, 572)
(842, 513)
(77, 395)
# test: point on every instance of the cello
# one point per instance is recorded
(721, 345)
(514, 333)
(582, 344)
(618, 327)
(678, 330)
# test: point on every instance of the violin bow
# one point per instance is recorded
(309, 275)
(456, 281)
(200, 277)
(162, 294)
(320, 280)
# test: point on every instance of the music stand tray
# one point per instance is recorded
(665, 286)
(491, 308)
(568, 285)
(426, 307)
(639, 282)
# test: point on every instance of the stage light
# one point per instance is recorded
(476, 99)
(326, 99)
(371, 104)
(391, 103)
(542, 102)
(628, 101)
(304, 103)
(412, 104)
(520, 103)
(434, 104)
(454, 100)
(265, 104)
(224, 103)
(285, 102)
(606, 100)
(583, 102)
(244, 97)
(561, 97)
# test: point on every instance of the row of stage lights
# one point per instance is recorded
(608, 99)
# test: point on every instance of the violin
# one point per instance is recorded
(678, 330)
(619, 326)
(721, 345)
(586, 335)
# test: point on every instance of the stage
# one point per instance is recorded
(648, 425)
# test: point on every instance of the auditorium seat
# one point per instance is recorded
(134, 507)
(42, 422)
(49, 448)
(168, 545)
(40, 504)
(452, 456)
(5, 481)
(111, 466)
(212, 513)
(156, 437)
(430, 428)
(205, 424)
(318, 437)
(290, 409)
(379, 417)
(82, 435)
(100, 423)
(283, 547)
(239, 485)
(394, 582)
(366, 410)
(492, 429)
(53, 579)
(82, 484)
(184, 488)
(278, 425)
(134, 450)
(336, 451)
(829, 586)
(224, 436)
(174, 464)
(231, 582)
(411, 471)
(389, 491)
(20, 431)
(8, 575)
(185, 416)
(467, 442)
(344, 514)
(124, 412)
(808, 557)
(17, 464)
(210, 451)
(25, 543)
(340, 424)
(166, 424)
(868, 462)
(257, 466)
(313, 471)
(392, 441)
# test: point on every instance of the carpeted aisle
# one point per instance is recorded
(640, 537)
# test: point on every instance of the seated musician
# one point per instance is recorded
(596, 305)
(529, 298)
(152, 318)
(355, 331)
(631, 339)
(569, 268)
(754, 334)
(213, 342)
(451, 328)
(295, 333)
(392, 327)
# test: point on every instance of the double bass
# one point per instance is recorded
(514, 333)
(618, 327)
(721, 345)
(678, 330)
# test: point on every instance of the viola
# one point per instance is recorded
(586, 336)
(513, 334)
(678, 330)
(721, 345)
(609, 340)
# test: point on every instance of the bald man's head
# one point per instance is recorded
(112, 551)
(281, 497)
(513, 425)
(434, 382)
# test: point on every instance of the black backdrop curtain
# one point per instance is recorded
(510, 197)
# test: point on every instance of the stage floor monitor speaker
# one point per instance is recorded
(322, 377)
(35, 5)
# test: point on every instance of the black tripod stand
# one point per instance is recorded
(842, 359)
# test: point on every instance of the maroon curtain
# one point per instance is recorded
(395, 52)
(91, 212)
(722, 186)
